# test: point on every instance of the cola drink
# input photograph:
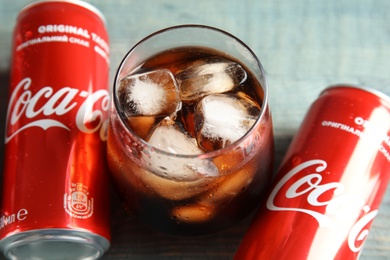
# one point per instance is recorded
(55, 194)
(331, 182)
(190, 142)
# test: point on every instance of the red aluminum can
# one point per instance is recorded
(330, 184)
(55, 202)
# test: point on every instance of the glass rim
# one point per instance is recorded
(206, 154)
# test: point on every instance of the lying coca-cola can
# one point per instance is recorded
(331, 182)
(55, 199)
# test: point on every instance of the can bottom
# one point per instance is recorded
(54, 244)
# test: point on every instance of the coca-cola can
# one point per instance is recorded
(331, 181)
(55, 199)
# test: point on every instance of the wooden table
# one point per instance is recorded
(304, 46)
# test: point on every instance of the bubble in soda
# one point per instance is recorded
(209, 76)
(153, 93)
(170, 137)
(222, 119)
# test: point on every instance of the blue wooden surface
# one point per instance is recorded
(304, 45)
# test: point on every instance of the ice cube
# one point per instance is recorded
(170, 137)
(174, 189)
(222, 119)
(230, 160)
(232, 185)
(141, 125)
(209, 76)
(153, 93)
(193, 213)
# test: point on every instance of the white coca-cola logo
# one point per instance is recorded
(47, 102)
(313, 187)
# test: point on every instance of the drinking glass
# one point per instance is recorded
(184, 193)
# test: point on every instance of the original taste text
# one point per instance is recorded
(364, 129)
(65, 33)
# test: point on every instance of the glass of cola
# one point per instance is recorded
(190, 138)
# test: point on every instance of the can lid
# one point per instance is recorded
(375, 92)
(54, 243)
(74, 2)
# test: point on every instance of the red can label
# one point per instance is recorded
(331, 181)
(55, 173)
(49, 107)
(306, 181)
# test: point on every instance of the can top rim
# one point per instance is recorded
(373, 91)
(74, 2)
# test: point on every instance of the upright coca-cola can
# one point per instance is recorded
(330, 184)
(55, 200)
